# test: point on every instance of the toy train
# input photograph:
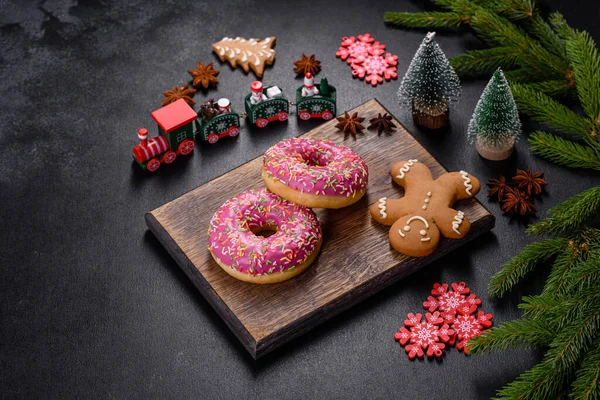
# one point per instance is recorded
(178, 122)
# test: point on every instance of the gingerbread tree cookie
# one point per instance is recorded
(250, 54)
(425, 212)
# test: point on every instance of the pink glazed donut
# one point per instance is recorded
(315, 173)
(236, 243)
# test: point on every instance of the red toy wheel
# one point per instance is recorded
(153, 165)
(261, 122)
(304, 115)
(186, 147)
(282, 116)
(169, 157)
(327, 115)
(213, 138)
(234, 131)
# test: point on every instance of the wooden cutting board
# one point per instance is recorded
(356, 260)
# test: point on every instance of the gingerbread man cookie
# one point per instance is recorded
(425, 212)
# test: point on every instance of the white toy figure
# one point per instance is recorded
(224, 105)
(257, 92)
(309, 88)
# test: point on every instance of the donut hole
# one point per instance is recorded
(264, 231)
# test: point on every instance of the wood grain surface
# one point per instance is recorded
(356, 259)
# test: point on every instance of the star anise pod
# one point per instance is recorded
(350, 124)
(517, 202)
(179, 93)
(204, 76)
(383, 123)
(307, 64)
(530, 182)
(498, 187)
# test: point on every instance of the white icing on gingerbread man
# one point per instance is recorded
(426, 202)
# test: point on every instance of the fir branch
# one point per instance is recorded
(498, 31)
(479, 62)
(586, 67)
(586, 274)
(572, 308)
(564, 152)
(571, 344)
(511, 334)
(536, 306)
(570, 214)
(587, 382)
(540, 382)
(557, 280)
(553, 88)
(521, 264)
(549, 112)
(560, 26)
(432, 19)
(547, 36)
(520, 75)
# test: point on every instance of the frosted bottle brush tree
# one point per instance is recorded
(495, 124)
(429, 86)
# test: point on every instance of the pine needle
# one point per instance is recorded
(540, 382)
(586, 274)
(564, 152)
(586, 67)
(557, 280)
(523, 263)
(549, 112)
(569, 215)
(433, 19)
(511, 334)
(587, 383)
(480, 62)
(553, 88)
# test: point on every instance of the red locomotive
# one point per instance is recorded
(176, 136)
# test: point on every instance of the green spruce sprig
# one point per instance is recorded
(541, 59)
(565, 318)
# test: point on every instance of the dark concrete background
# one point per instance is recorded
(93, 307)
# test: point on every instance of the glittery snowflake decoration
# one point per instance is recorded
(452, 317)
(368, 59)
(430, 84)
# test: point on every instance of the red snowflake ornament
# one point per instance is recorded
(374, 68)
(460, 288)
(449, 302)
(469, 326)
(425, 337)
(352, 48)
(431, 304)
(439, 289)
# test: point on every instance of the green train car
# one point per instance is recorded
(321, 105)
(273, 109)
(219, 126)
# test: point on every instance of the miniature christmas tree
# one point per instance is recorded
(430, 84)
(495, 124)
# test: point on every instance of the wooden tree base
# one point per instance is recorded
(495, 153)
(429, 121)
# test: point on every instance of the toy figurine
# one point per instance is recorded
(257, 93)
(309, 88)
(208, 110)
(215, 123)
(223, 106)
(315, 103)
(176, 136)
(265, 105)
